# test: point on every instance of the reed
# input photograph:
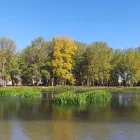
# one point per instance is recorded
(82, 98)
(66, 98)
(26, 92)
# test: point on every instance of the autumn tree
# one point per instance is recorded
(63, 50)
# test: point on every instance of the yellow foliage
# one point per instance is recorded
(63, 50)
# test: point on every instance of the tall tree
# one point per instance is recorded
(116, 66)
(63, 50)
(98, 57)
(8, 60)
(131, 63)
(79, 63)
(32, 61)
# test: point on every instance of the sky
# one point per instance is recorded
(115, 22)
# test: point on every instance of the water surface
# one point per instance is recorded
(22, 119)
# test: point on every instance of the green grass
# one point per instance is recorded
(82, 98)
(124, 89)
(70, 97)
(22, 92)
(63, 88)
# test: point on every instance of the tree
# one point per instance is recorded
(8, 60)
(98, 56)
(33, 61)
(78, 63)
(125, 65)
(63, 50)
(131, 64)
(116, 66)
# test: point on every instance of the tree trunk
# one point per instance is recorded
(52, 82)
(92, 82)
(4, 82)
(88, 82)
(82, 83)
(12, 78)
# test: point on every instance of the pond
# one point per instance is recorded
(26, 119)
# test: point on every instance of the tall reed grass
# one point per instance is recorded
(26, 92)
(82, 98)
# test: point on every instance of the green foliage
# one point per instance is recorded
(8, 60)
(62, 61)
(82, 98)
(33, 62)
(98, 57)
(79, 63)
(26, 92)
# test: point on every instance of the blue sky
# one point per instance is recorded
(115, 22)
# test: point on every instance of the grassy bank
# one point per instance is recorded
(35, 92)
(84, 98)
(90, 88)
(22, 92)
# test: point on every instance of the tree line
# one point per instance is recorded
(63, 61)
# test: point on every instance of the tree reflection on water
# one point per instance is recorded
(40, 119)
